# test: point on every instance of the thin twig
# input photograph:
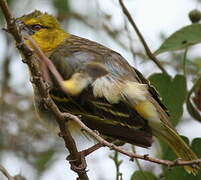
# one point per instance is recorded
(184, 62)
(184, 66)
(145, 157)
(42, 56)
(6, 173)
(147, 49)
(117, 163)
(139, 165)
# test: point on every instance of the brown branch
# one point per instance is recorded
(146, 47)
(38, 81)
(5, 173)
(145, 157)
(9, 177)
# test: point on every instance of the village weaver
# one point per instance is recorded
(111, 96)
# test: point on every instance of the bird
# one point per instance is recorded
(111, 96)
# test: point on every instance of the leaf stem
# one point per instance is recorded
(184, 64)
(117, 163)
(138, 164)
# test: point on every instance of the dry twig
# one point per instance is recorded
(146, 47)
(145, 157)
(5, 173)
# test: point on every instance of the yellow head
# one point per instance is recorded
(44, 29)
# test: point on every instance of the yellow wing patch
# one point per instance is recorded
(77, 83)
(71, 86)
(147, 110)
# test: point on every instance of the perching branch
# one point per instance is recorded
(75, 157)
(145, 157)
(146, 47)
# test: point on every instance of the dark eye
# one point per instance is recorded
(36, 27)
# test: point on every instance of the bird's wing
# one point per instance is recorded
(109, 77)
(118, 121)
(137, 86)
(98, 102)
(152, 90)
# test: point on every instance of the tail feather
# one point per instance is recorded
(180, 148)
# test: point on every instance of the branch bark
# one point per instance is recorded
(6, 173)
(145, 157)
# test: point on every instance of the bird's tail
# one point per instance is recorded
(180, 148)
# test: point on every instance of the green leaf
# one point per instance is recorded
(183, 38)
(62, 6)
(180, 173)
(177, 173)
(173, 93)
(196, 146)
(42, 159)
(143, 175)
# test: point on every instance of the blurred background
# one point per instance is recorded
(27, 147)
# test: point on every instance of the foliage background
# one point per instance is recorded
(27, 147)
